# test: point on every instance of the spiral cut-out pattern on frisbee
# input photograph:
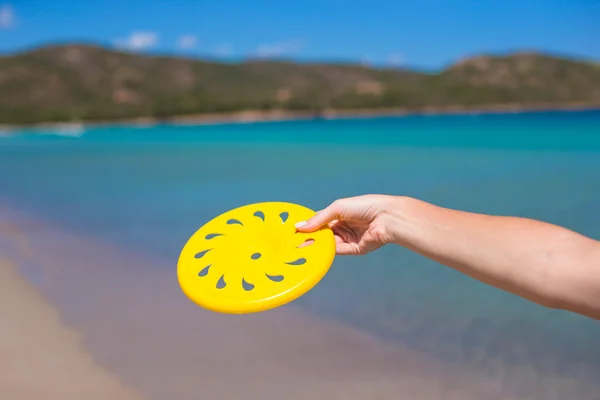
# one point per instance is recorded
(252, 259)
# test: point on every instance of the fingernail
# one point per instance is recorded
(299, 224)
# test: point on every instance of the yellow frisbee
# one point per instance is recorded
(252, 259)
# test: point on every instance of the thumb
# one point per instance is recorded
(322, 218)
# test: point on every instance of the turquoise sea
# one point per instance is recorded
(150, 188)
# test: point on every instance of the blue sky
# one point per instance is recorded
(418, 33)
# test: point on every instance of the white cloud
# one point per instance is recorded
(187, 42)
(279, 49)
(366, 60)
(7, 16)
(395, 59)
(139, 40)
(224, 50)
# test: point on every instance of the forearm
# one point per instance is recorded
(544, 263)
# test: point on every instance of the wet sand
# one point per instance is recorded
(134, 320)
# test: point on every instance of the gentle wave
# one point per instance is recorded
(66, 130)
(63, 130)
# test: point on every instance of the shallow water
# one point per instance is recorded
(151, 188)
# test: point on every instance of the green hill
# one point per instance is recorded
(82, 82)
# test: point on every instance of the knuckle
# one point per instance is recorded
(337, 205)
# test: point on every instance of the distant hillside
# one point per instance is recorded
(80, 82)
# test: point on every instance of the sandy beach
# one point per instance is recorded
(252, 116)
(102, 323)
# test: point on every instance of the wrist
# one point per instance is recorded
(401, 225)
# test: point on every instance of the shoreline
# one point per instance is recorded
(259, 116)
(42, 356)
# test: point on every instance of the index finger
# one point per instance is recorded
(322, 218)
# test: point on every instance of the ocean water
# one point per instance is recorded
(151, 188)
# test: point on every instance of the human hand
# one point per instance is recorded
(360, 224)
